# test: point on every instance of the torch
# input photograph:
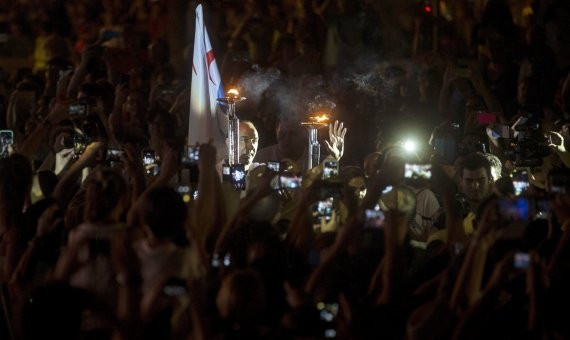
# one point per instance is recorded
(313, 125)
(231, 98)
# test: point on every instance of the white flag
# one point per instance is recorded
(204, 122)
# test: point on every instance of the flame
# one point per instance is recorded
(233, 93)
(320, 119)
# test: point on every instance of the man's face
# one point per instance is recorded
(475, 184)
(249, 140)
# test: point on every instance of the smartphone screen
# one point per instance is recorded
(323, 210)
(175, 287)
(273, 166)
(148, 157)
(226, 173)
(290, 182)
(417, 171)
(238, 176)
(520, 181)
(114, 155)
(516, 210)
(521, 260)
(191, 155)
(374, 218)
(77, 109)
(6, 137)
(328, 312)
(330, 169)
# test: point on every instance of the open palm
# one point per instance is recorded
(336, 138)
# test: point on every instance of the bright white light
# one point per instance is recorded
(410, 145)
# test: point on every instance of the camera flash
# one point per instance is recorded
(409, 145)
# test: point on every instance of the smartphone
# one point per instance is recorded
(324, 209)
(287, 181)
(374, 218)
(77, 109)
(191, 155)
(6, 137)
(226, 173)
(273, 166)
(185, 192)
(175, 287)
(238, 176)
(516, 210)
(79, 143)
(417, 171)
(327, 313)
(114, 155)
(520, 181)
(148, 157)
(330, 169)
(485, 118)
(521, 260)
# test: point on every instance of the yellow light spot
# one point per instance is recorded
(320, 118)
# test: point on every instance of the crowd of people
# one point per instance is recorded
(439, 208)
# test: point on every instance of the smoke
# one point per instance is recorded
(256, 82)
(321, 103)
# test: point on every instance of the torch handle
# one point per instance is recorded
(314, 149)
(233, 138)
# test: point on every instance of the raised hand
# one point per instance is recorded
(557, 142)
(336, 137)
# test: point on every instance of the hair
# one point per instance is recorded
(349, 172)
(475, 161)
(496, 165)
(164, 212)
(104, 189)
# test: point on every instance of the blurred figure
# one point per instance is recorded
(162, 214)
(291, 143)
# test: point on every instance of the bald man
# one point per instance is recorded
(248, 143)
